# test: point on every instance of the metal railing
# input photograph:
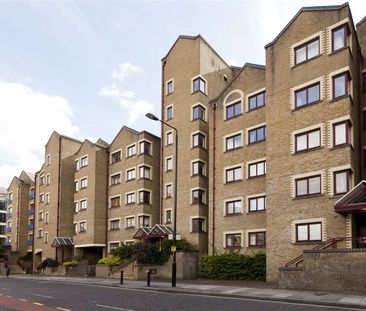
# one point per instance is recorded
(331, 243)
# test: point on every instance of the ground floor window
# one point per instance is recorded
(310, 232)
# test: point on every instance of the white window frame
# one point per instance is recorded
(81, 161)
(166, 112)
(128, 193)
(306, 221)
(204, 226)
(261, 90)
(143, 214)
(112, 153)
(241, 132)
(167, 139)
(148, 166)
(204, 80)
(346, 118)
(113, 197)
(165, 192)
(204, 141)
(130, 217)
(204, 169)
(129, 146)
(226, 168)
(166, 164)
(166, 86)
(247, 164)
(241, 232)
(114, 174)
(150, 196)
(204, 109)
(81, 180)
(114, 219)
(314, 127)
(306, 175)
(80, 204)
(151, 146)
(241, 199)
(130, 169)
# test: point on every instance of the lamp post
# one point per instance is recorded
(174, 263)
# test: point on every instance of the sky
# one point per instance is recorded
(86, 68)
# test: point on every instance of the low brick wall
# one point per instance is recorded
(333, 269)
(187, 268)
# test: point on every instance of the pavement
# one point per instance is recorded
(234, 289)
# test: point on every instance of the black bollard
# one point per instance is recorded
(121, 281)
(148, 278)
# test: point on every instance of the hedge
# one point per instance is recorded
(234, 266)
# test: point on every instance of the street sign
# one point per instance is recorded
(178, 237)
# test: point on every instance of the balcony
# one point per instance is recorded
(31, 211)
(9, 215)
(8, 229)
(7, 243)
(31, 196)
(30, 242)
(30, 226)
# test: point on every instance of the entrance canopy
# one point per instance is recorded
(353, 201)
(62, 241)
(158, 231)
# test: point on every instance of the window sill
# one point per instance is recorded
(132, 203)
(308, 150)
(145, 178)
(116, 229)
(256, 142)
(233, 247)
(233, 182)
(257, 212)
(115, 162)
(132, 179)
(233, 215)
(199, 232)
(115, 206)
(233, 149)
(115, 184)
(308, 196)
(140, 204)
(168, 223)
(307, 242)
(256, 246)
(199, 119)
(341, 146)
(169, 197)
(127, 157)
(233, 117)
(341, 49)
(199, 147)
(197, 92)
(341, 97)
(256, 108)
(199, 203)
(145, 154)
(256, 177)
(307, 105)
(129, 228)
(199, 175)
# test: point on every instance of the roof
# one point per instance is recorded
(158, 231)
(361, 21)
(102, 143)
(132, 131)
(199, 36)
(246, 65)
(64, 137)
(306, 9)
(62, 241)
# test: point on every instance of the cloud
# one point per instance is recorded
(27, 120)
(124, 70)
(233, 62)
(134, 107)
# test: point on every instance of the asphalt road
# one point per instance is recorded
(38, 295)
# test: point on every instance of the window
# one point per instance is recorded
(40, 233)
(198, 168)
(115, 179)
(48, 159)
(311, 232)
(308, 140)
(198, 196)
(233, 174)
(233, 142)
(144, 221)
(131, 150)
(199, 113)
(114, 224)
(144, 197)
(307, 51)
(342, 181)
(168, 190)
(113, 245)
(40, 216)
(198, 225)
(48, 179)
(199, 140)
(116, 202)
(131, 174)
(83, 183)
(130, 198)
(257, 204)
(41, 198)
(340, 37)
(76, 186)
(199, 85)
(307, 95)
(130, 222)
(116, 157)
(77, 165)
(76, 203)
(145, 172)
(75, 227)
(84, 161)
(257, 238)
(41, 180)
(145, 147)
(168, 216)
(169, 138)
(308, 186)
(233, 110)
(45, 237)
(82, 226)
(46, 218)
(169, 164)
(257, 101)
(233, 240)
(47, 200)
(233, 207)
(169, 113)
(83, 204)
(340, 85)
(341, 133)
(169, 87)
(257, 169)
(257, 135)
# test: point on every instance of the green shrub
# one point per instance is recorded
(110, 261)
(26, 258)
(233, 266)
(123, 251)
(70, 264)
(52, 263)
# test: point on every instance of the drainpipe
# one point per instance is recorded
(162, 142)
(58, 193)
(34, 220)
(214, 179)
(106, 205)
(19, 198)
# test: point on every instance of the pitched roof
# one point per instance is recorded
(126, 128)
(246, 65)
(305, 9)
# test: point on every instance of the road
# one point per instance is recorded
(48, 295)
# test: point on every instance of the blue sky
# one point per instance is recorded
(86, 69)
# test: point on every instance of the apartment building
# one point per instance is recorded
(90, 197)
(54, 199)
(133, 185)
(19, 216)
(193, 73)
(3, 211)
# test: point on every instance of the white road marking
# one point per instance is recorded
(114, 308)
(63, 309)
(3, 288)
(39, 295)
(38, 304)
(21, 299)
